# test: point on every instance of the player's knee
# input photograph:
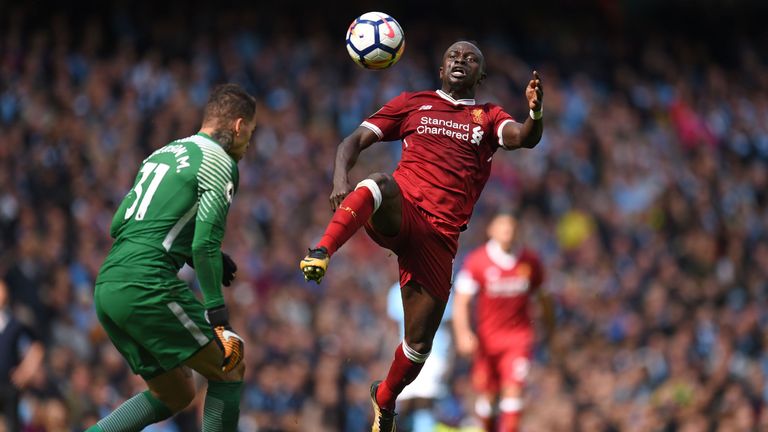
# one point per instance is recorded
(236, 374)
(417, 352)
(386, 184)
(178, 399)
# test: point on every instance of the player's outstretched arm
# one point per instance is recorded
(466, 341)
(346, 157)
(527, 134)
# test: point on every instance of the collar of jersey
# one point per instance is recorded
(499, 256)
(208, 137)
(450, 99)
(214, 142)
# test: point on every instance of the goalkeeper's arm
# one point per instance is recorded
(207, 260)
(228, 268)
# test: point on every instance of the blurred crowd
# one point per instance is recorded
(647, 199)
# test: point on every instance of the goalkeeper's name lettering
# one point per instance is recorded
(448, 128)
(178, 151)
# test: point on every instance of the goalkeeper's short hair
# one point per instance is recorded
(229, 102)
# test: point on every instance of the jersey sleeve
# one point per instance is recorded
(499, 119)
(386, 122)
(468, 279)
(215, 188)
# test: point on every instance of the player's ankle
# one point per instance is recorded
(385, 398)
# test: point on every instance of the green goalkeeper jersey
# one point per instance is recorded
(176, 211)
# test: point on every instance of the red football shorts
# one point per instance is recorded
(424, 253)
(493, 371)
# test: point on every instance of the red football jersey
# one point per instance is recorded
(503, 284)
(447, 146)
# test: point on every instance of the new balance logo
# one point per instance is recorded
(425, 107)
(477, 135)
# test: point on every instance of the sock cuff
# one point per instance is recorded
(511, 405)
(161, 411)
(375, 191)
(413, 355)
(228, 391)
(483, 407)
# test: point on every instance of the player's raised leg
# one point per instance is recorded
(423, 314)
(168, 394)
(378, 194)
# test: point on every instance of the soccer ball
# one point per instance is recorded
(375, 40)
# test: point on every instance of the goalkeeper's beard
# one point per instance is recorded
(224, 137)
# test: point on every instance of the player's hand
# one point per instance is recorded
(535, 92)
(466, 344)
(230, 343)
(340, 191)
(229, 269)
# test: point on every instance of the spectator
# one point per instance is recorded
(21, 356)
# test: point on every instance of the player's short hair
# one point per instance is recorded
(473, 42)
(229, 102)
(506, 210)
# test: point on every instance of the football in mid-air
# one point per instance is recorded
(375, 40)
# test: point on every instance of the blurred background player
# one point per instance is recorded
(416, 403)
(503, 277)
(176, 213)
(448, 143)
(21, 356)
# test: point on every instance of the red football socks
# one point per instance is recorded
(401, 373)
(511, 408)
(509, 421)
(352, 213)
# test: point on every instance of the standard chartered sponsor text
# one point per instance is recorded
(435, 126)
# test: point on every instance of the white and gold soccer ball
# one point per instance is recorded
(375, 40)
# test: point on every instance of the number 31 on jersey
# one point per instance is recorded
(157, 170)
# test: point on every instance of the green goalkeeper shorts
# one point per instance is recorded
(155, 327)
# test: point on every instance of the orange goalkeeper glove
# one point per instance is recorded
(230, 343)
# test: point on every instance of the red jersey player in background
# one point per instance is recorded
(503, 278)
(448, 142)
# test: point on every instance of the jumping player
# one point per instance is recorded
(175, 213)
(503, 278)
(448, 142)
